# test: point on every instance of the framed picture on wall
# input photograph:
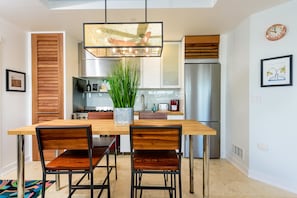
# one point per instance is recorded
(277, 71)
(15, 81)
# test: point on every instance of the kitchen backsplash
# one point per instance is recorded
(151, 97)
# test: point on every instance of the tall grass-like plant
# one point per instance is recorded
(123, 83)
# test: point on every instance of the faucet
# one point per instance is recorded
(142, 102)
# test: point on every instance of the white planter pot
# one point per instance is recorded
(123, 116)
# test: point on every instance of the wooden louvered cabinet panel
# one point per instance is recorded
(202, 47)
(47, 81)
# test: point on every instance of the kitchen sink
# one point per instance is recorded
(152, 115)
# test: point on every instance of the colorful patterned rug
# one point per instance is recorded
(8, 188)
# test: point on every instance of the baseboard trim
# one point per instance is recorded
(12, 167)
(290, 187)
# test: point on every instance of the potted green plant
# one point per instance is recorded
(123, 83)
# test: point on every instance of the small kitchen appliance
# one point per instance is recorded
(174, 105)
(163, 107)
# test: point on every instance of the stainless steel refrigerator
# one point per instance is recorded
(202, 103)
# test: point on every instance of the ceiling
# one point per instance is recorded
(120, 4)
(191, 17)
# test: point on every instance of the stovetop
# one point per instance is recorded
(83, 114)
(100, 109)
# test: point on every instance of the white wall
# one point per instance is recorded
(262, 120)
(13, 105)
(237, 95)
(71, 69)
(273, 110)
(223, 61)
(15, 55)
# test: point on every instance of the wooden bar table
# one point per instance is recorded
(107, 127)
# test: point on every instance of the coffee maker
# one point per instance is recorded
(174, 105)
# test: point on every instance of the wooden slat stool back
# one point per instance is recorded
(155, 150)
(102, 141)
(79, 156)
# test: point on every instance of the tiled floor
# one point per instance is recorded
(225, 182)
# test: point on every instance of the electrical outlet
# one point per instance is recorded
(256, 100)
(263, 147)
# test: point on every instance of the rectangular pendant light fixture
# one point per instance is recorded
(141, 39)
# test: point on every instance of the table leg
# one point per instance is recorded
(21, 167)
(191, 164)
(57, 176)
(205, 166)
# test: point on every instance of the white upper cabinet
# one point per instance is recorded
(162, 72)
(151, 72)
(135, 62)
(170, 67)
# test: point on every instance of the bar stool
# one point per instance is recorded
(79, 156)
(155, 150)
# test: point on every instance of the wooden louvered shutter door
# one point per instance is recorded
(47, 81)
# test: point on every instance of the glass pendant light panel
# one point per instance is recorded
(124, 39)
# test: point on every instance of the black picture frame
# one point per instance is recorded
(277, 71)
(15, 81)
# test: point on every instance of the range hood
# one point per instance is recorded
(90, 66)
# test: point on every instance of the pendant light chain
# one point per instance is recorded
(105, 11)
(146, 11)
